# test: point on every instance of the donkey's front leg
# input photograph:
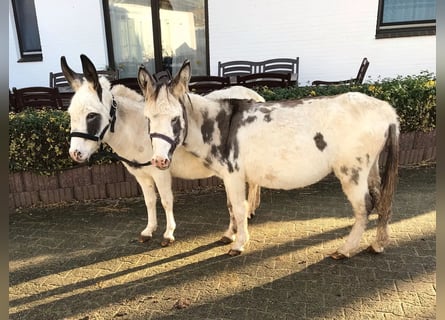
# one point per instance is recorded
(236, 197)
(163, 181)
(148, 190)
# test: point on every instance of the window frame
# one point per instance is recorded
(402, 29)
(156, 34)
(25, 55)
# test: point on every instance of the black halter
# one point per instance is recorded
(171, 141)
(103, 153)
(102, 134)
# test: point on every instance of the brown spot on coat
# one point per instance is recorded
(319, 141)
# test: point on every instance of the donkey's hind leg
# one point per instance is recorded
(355, 186)
(383, 211)
(253, 199)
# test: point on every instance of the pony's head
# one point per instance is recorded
(90, 109)
(165, 111)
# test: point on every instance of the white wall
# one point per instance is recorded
(330, 37)
(67, 28)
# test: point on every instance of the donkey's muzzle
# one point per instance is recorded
(161, 162)
(77, 156)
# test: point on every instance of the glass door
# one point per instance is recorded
(132, 36)
(183, 34)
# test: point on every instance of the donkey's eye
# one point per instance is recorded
(91, 116)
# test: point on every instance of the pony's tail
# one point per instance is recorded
(390, 174)
(387, 189)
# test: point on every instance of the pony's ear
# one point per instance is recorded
(90, 73)
(180, 84)
(73, 78)
(145, 81)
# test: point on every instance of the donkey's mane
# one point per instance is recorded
(161, 104)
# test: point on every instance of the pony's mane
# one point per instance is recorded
(160, 101)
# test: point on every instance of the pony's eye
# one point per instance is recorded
(91, 116)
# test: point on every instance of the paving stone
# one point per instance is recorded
(83, 261)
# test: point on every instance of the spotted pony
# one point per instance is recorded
(281, 145)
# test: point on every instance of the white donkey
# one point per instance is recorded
(281, 145)
(114, 116)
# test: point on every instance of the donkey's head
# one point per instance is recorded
(165, 111)
(90, 110)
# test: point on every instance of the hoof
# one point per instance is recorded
(143, 239)
(371, 249)
(167, 242)
(225, 240)
(234, 253)
(338, 256)
(251, 215)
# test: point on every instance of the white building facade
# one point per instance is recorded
(329, 37)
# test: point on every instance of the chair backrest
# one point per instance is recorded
(236, 68)
(163, 75)
(280, 65)
(37, 97)
(131, 83)
(57, 79)
(269, 79)
(205, 84)
(362, 71)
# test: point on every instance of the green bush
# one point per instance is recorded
(414, 97)
(39, 139)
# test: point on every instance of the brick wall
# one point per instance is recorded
(113, 181)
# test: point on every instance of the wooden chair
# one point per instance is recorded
(131, 83)
(57, 79)
(265, 79)
(37, 97)
(205, 84)
(277, 65)
(357, 80)
(281, 65)
(236, 68)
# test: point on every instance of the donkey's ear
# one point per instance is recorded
(145, 81)
(180, 84)
(90, 73)
(73, 78)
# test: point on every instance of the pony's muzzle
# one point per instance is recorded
(161, 162)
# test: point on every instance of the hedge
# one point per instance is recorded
(39, 139)
(414, 97)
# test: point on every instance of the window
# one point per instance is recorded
(27, 30)
(160, 34)
(403, 18)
